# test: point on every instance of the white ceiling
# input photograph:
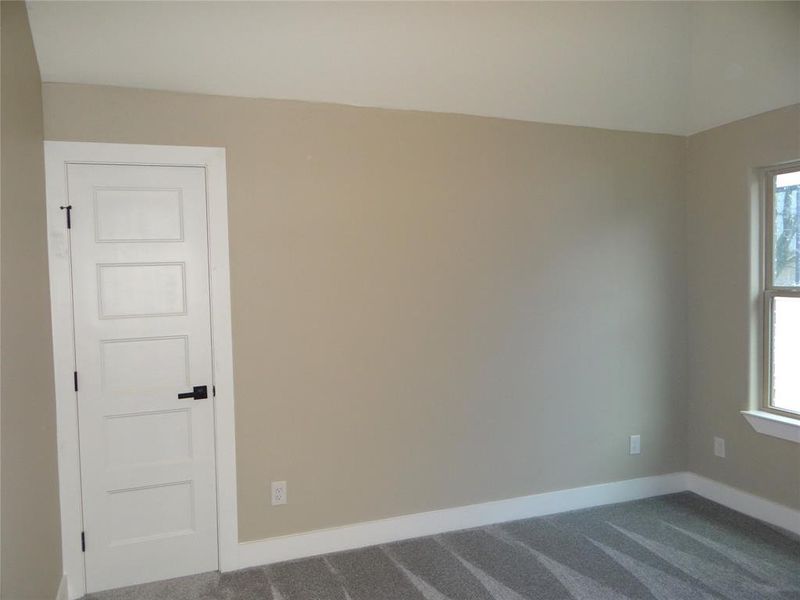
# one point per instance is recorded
(668, 67)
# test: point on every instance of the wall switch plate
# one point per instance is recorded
(719, 447)
(278, 492)
(635, 444)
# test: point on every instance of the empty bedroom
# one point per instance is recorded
(399, 300)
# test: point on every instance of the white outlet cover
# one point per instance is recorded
(278, 492)
(635, 444)
(719, 447)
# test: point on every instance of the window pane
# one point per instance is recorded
(786, 230)
(786, 354)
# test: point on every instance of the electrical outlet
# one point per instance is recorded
(278, 492)
(635, 444)
(719, 447)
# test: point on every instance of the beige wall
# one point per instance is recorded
(432, 310)
(723, 298)
(31, 545)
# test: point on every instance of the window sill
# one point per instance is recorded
(777, 426)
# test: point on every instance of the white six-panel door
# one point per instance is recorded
(139, 256)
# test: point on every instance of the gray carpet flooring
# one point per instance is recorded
(676, 547)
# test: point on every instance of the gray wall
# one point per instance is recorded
(432, 310)
(31, 545)
(724, 351)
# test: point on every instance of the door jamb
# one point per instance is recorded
(57, 156)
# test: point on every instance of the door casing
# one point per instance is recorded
(57, 156)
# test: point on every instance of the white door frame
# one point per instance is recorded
(57, 156)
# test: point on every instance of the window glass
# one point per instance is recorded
(786, 353)
(786, 230)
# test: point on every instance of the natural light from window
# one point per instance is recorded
(785, 293)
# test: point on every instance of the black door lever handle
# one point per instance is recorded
(200, 392)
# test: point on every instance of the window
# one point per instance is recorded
(782, 291)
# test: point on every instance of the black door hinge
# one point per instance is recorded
(68, 208)
(75, 379)
(83, 541)
(214, 390)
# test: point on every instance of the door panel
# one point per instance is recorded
(142, 336)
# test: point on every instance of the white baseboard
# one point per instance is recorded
(370, 533)
(744, 502)
(359, 535)
(62, 593)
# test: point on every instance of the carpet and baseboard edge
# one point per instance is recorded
(348, 537)
(370, 533)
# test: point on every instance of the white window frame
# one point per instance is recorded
(57, 156)
(769, 291)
